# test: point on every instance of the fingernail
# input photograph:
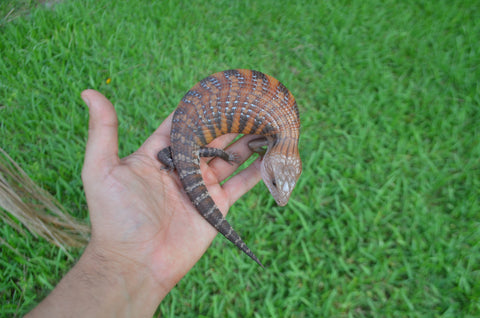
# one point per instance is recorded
(85, 99)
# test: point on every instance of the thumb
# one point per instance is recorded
(101, 153)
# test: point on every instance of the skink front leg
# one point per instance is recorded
(220, 153)
(165, 156)
(258, 145)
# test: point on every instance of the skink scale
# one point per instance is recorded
(235, 101)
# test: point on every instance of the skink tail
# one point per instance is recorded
(196, 189)
(222, 226)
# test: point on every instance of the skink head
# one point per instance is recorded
(280, 173)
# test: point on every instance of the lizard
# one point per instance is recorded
(235, 101)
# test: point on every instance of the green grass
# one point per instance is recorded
(385, 220)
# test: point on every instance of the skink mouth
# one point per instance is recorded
(282, 200)
(285, 190)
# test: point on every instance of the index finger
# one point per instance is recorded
(159, 139)
(224, 169)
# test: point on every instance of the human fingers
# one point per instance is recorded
(102, 145)
(222, 141)
(159, 139)
(223, 169)
(242, 182)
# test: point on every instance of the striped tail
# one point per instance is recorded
(195, 187)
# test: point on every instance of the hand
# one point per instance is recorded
(139, 210)
(146, 234)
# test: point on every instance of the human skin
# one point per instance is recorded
(146, 234)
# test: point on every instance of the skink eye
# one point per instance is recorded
(274, 183)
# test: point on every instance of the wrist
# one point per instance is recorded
(103, 284)
(134, 286)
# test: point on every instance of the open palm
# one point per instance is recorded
(138, 210)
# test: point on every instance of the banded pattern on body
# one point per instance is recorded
(234, 101)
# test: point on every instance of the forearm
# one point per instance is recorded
(99, 286)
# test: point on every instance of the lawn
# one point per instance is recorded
(385, 219)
